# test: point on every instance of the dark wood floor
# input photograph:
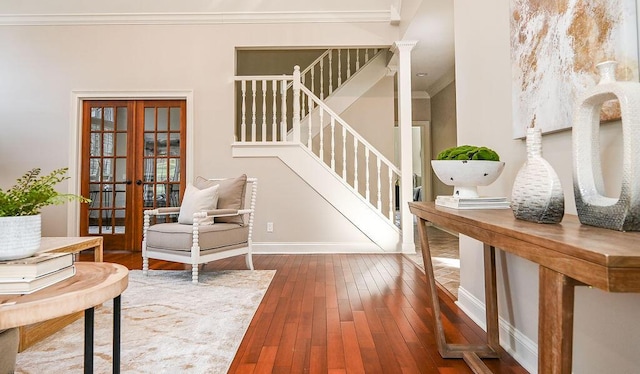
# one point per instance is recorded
(344, 314)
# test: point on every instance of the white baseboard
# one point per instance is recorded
(519, 346)
(315, 248)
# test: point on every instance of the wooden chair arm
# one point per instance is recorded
(226, 212)
(162, 211)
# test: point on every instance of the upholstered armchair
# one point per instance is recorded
(215, 221)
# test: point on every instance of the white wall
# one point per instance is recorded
(374, 107)
(42, 65)
(606, 328)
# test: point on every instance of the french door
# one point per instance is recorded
(133, 158)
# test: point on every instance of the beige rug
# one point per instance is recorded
(169, 325)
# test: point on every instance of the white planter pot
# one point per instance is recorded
(19, 236)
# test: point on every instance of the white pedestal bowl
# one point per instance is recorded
(466, 175)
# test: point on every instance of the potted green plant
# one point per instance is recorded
(466, 167)
(20, 205)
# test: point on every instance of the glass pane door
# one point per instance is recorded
(162, 156)
(107, 140)
(133, 159)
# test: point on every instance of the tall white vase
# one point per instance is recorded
(537, 194)
(593, 207)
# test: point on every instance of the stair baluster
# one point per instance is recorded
(379, 186)
(344, 153)
(333, 144)
(355, 164)
(321, 134)
(309, 128)
(366, 175)
(348, 64)
(243, 126)
(253, 111)
(274, 124)
(339, 67)
(391, 206)
(263, 132)
(283, 113)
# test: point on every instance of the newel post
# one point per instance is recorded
(296, 104)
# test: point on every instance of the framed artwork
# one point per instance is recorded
(555, 46)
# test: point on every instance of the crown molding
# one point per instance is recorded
(192, 18)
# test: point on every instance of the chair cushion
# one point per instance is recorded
(177, 237)
(231, 193)
(196, 200)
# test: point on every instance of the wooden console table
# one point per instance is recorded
(31, 334)
(93, 284)
(569, 254)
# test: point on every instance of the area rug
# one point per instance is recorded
(169, 325)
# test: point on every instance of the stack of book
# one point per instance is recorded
(34, 273)
(473, 202)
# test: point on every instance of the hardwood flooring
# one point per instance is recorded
(355, 313)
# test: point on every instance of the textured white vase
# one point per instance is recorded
(537, 194)
(593, 207)
(19, 236)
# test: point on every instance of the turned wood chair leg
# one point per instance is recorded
(194, 273)
(145, 265)
(249, 260)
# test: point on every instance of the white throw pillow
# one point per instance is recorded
(196, 200)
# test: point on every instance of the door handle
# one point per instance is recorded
(128, 182)
(139, 182)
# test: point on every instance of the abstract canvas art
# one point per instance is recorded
(555, 46)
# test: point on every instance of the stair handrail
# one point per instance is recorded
(350, 129)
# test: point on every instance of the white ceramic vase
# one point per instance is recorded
(593, 207)
(19, 236)
(537, 194)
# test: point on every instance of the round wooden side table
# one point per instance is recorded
(93, 284)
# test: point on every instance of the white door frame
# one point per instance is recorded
(75, 136)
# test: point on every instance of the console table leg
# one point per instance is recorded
(491, 297)
(117, 302)
(88, 340)
(555, 327)
(472, 352)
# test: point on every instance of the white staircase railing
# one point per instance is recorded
(350, 156)
(265, 103)
(332, 69)
(263, 108)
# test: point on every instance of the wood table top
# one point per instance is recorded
(68, 244)
(93, 284)
(604, 258)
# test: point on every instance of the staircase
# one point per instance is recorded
(283, 116)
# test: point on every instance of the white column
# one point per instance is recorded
(403, 51)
